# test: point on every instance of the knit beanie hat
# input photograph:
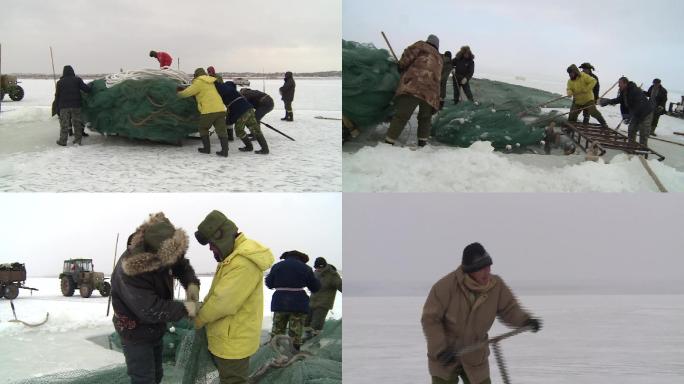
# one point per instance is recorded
(475, 258)
(320, 262)
(433, 40)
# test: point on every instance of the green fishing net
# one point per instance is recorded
(497, 117)
(369, 80)
(187, 360)
(141, 109)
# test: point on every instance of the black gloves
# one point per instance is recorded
(447, 356)
(533, 323)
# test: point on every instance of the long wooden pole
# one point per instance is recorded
(54, 76)
(390, 46)
(574, 110)
(116, 246)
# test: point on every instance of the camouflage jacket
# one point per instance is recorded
(421, 70)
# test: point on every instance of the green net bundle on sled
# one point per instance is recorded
(503, 115)
(142, 104)
(187, 360)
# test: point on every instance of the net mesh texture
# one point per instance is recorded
(187, 360)
(141, 108)
(370, 78)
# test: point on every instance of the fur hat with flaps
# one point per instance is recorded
(154, 245)
(217, 230)
(300, 255)
(465, 49)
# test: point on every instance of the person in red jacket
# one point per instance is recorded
(164, 58)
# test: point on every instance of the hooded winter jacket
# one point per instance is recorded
(658, 96)
(142, 282)
(331, 282)
(453, 317)
(635, 100)
(233, 100)
(464, 67)
(234, 307)
(288, 278)
(287, 91)
(208, 98)
(421, 70)
(68, 92)
(582, 88)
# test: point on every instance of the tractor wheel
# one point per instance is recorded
(86, 290)
(106, 289)
(68, 286)
(16, 93)
(11, 292)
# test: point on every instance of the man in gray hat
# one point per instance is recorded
(421, 70)
(459, 312)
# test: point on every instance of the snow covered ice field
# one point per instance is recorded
(69, 340)
(31, 161)
(625, 339)
(368, 166)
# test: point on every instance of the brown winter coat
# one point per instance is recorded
(421, 71)
(449, 321)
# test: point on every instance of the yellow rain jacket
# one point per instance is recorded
(208, 98)
(234, 307)
(582, 88)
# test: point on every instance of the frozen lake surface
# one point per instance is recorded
(75, 335)
(31, 161)
(625, 339)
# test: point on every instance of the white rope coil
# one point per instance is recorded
(140, 74)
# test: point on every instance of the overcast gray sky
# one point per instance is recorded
(401, 244)
(100, 36)
(42, 230)
(533, 38)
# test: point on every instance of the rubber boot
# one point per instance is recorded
(287, 114)
(231, 136)
(248, 145)
(224, 147)
(290, 117)
(262, 142)
(206, 145)
(422, 142)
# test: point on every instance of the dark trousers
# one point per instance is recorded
(643, 127)
(316, 318)
(288, 106)
(144, 362)
(456, 81)
(454, 378)
(405, 105)
(233, 371)
(265, 106)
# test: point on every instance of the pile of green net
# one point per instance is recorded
(369, 81)
(187, 360)
(497, 118)
(141, 109)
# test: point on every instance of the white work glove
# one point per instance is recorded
(192, 307)
(464, 81)
(192, 292)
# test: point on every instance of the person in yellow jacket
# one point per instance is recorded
(211, 108)
(234, 307)
(581, 88)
